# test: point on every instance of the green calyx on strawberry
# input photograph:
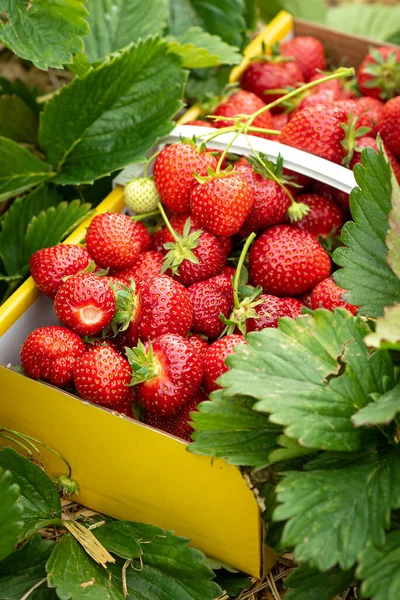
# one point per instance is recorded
(274, 172)
(352, 133)
(126, 303)
(142, 363)
(66, 486)
(383, 72)
(272, 54)
(181, 248)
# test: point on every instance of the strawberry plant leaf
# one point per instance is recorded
(313, 10)
(287, 450)
(200, 49)
(365, 273)
(11, 509)
(232, 583)
(380, 412)
(17, 121)
(15, 224)
(116, 23)
(115, 113)
(379, 567)
(168, 568)
(311, 375)
(46, 32)
(119, 538)
(229, 428)
(387, 330)
(75, 576)
(38, 496)
(19, 169)
(25, 568)
(339, 509)
(225, 18)
(393, 235)
(374, 21)
(311, 584)
(22, 91)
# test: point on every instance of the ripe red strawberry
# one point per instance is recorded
(279, 122)
(174, 173)
(379, 73)
(179, 423)
(243, 103)
(271, 310)
(286, 261)
(147, 265)
(222, 203)
(317, 98)
(198, 342)
(50, 265)
(262, 76)
(389, 125)
(199, 123)
(165, 307)
(214, 360)
(307, 53)
(370, 142)
(332, 193)
(114, 240)
(329, 295)
(144, 236)
(103, 376)
(317, 130)
(306, 299)
(227, 244)
(167, 372)
(210, 299)
(125, 408)
(270, 201)
(85, 303)
(51, 353)
(368, 110)
(324, 215)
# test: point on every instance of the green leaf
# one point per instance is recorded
(225, 18)
(380, 412)
(365, 273)
(289, 449)
(379, 567)
(39, 497)
(312, 10)
(11, 509)
(393, 235)
(113, 115)
(229, 428)
(332, 514)
(204, 84)
(199, 49)
(22, 91)
(17, 121)
(25, 568)
(119, 538)
(374, 21)
(167, 569)
(116, 23)
(311, 584)
(15, 225)
(75, 576)
(19, 169)
(311, 374)
(387, 330)
(232, 583)
(45, 32)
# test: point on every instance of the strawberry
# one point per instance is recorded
(222, 203)
(177, 424)
(125, 407)
(193, 254)
(210, 299)
(198, 342)
(103, 376)
(167, 372)
(144, 237)
(370, 142)
(389, 125)
(271, 309)
(85, 303)
(49, 266)
(279, 122)
(51, 353)
(214, 360)
(287, 261)
(379, 73)
(147, 264)
(323, 217)
(165, 307)
(329, 295)
(114, 240)
(306, 299)
(307, 53)
(368, 110)
(227, 244)
(339, 197)
(317, 98)
(174, 173)
(141, 195)
(100, 342)
(243, 103)
(199, 123)
(261, 76)
(317, 130)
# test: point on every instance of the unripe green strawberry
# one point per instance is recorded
(141, 195)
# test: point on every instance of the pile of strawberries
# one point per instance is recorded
(149, 313)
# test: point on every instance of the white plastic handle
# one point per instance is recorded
(296, 160)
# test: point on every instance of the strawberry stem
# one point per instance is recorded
(143, 216)
(169, 226)
(225, 152)
(239, 267)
